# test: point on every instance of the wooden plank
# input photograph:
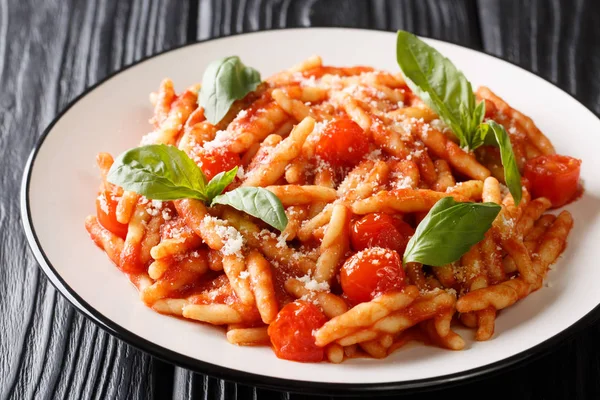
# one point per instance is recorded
(47, 349)
(556, 39)
(451, 20)
(50, 52)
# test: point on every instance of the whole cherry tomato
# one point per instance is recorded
(371, 272)
(380, 230)
(291, 332)
(106, 210)
(343, 143)
(555, 177)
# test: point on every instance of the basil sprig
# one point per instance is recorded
(162, 172)
(441, 86)
(446, 90)
(449, 230)
(159, 172)
(225, 81)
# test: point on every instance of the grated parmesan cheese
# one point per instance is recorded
(375, 155)
(281, 241)
(233, 241)
(312, 285)
(103, 204)
(308, 82)
(241, 114)
(244, 274)
(403, 182)
(220, 140)
(241, 174)
(154, 208)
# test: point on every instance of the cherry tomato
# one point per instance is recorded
(371, 272)
(380, 230)
(291, 332)
(343, 143)
(555, 177)
(106, 208)
(217, 159)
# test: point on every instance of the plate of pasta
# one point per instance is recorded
(323, 210)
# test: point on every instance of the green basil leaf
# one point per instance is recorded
(219, 182)
(483, 133)
(476, 120)
(258, 202)
(440, 85)
(449, 230)
(512, 177)
(479, 134)
(158, 172)
(225, 81)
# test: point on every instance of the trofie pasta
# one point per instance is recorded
(332, 258)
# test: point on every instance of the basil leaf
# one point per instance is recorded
(225, 81)
(475, 121)
(258, 202)
(449, 230)
(485, 137)
(219, 182)
(438, 83)
(512, 177)
(158, 172)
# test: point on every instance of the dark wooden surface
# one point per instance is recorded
(50, 51)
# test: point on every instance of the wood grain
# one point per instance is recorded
(56, 50)
(51, 51)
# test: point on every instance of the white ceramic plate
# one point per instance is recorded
(60, 183)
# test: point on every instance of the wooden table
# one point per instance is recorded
(50, 51)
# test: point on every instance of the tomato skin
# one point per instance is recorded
(371, 272)
(555, 177)
(217, 159)
(343, 143)
(291, 332)
(106, 211)
(380, 230)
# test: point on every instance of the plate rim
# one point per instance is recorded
(248, 378)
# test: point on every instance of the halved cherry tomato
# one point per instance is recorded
(555, 177)
(291, 332)
(343, 143)
(217, 159)
(371, 272)
(380, 230)
(106, 208)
